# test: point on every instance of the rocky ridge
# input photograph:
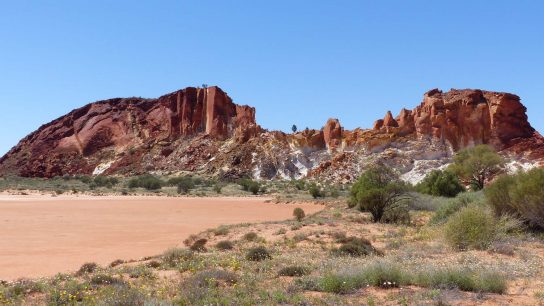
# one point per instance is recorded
(202, 130)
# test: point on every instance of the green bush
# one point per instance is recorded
(377, 190)
(477, 165)
(175, 256)
(315, 191)
(87, 268)
(105, 181)
(199, 245)
(353, 246)
(521, 195)
(148, 182)
(185, 184)
(397, 214)
(473, 227)
(299, 214)
(258, 254)
(221, 231)
(454, 205)
(251, 236)
(224, 245)
(294, 271)
(442, 183)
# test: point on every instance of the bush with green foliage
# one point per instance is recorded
(379, 189)
(521, 195)
(299, 214)
(258, 254)
(353, 246)
(224, 245)
(185, 184)
(440, 183)
(475, 227)
(294, 271)
(315, 191)
(199, 245)
(250, 185)
(175, 256)
(87, 268)
(105, 181)
(454, 205)
(148, 182)
(251, 236)
(477, 165)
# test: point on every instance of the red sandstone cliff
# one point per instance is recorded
(188, 130)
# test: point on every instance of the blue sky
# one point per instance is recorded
(297, 62)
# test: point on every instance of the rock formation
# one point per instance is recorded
(202, 130)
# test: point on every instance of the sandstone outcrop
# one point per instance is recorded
(202, 130)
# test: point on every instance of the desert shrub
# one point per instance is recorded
(477, 165)
(294, 271)
(224, 245)
(175, 256)
(148, 182)
(85, 179)
(454, 205)
(353, 246)
(258, 254)
(471, 227)
(249, 185)
(87, 268)
(299, 214)
(221, 231)
(388, 274)
(141, 271)
(300, 184)
(199, 245)
(251, 236)
(69, 293)
(105, 181)
(184, 184)
(104, 279)
(153, 264)
(315, 191)
(398, 214)
(202, 287)
(20, 288)
(521, 195)
(116, 263)
(218, 187)
(425, 202)
(442, 183)
(334, 193)
(123, 295)
(377, 190)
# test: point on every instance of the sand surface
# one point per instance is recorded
(44, 235)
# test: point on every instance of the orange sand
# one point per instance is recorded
(44, 235)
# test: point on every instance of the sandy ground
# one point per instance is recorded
(44, 235)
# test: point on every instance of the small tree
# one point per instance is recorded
(440, 183)
(299, 214)
(377, 190)
(315, 191)
(185, 184)
(294, 128)
(476, 166)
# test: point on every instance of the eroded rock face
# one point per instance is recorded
(202, 130)
(332, 133)
(77, 142)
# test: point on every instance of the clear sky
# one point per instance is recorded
(297, 62)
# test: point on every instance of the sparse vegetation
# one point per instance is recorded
(294, 271)
(224, 245)
(315, 191)
(87, 268)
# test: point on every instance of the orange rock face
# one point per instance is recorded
(332, 133)
(201, 129)
(68, 144)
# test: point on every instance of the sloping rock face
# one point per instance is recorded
(201, 130)
(100, 132)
